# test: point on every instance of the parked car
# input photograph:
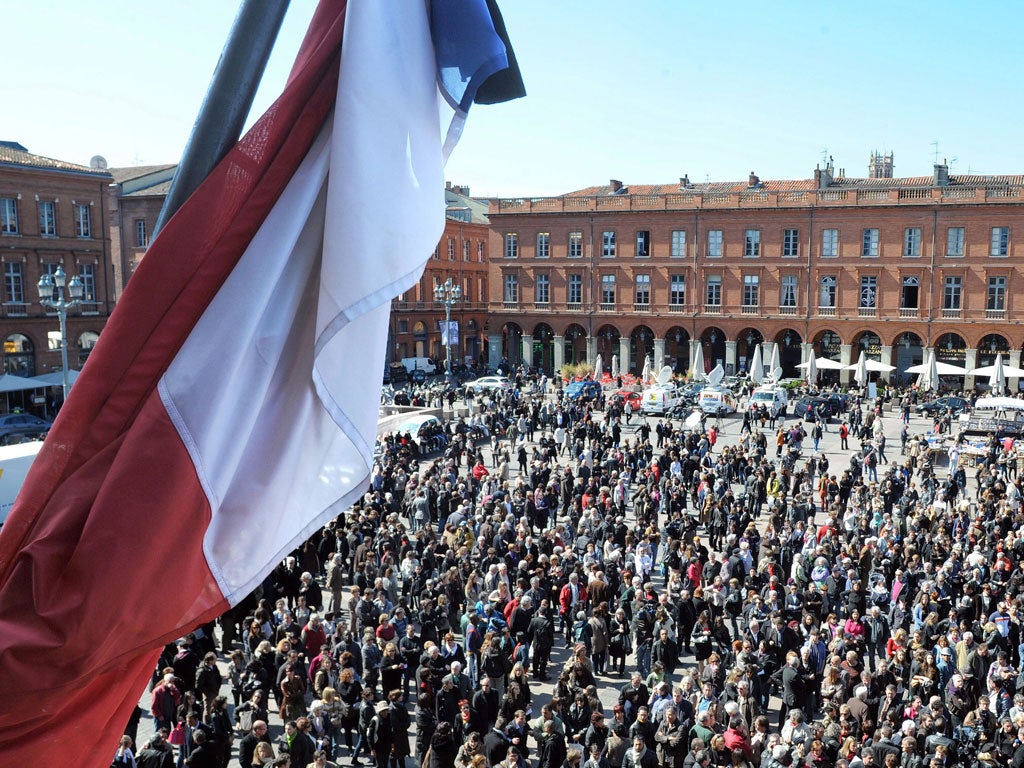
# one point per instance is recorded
(811, 408)
(624, 396)
(582, 390)
(397, 374)
(20, 427)
(942, 404)
(840, 402)
(488, 383)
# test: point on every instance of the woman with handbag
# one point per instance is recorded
(620, 643)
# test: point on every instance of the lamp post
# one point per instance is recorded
(448, 293)
(76, 288)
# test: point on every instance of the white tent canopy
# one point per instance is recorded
(872, 365)
(1009, 371)
(999, 403)
(823, 364)
(943, 369)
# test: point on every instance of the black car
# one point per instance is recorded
(19, 427)
(397, 373)
(956, 405)
(811, 408)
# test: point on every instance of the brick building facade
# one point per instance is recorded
(134, 200)
(462, 256)
(830, 266)
(52, 214)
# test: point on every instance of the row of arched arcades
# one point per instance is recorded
(631, 346)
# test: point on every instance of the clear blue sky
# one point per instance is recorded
(644, 92)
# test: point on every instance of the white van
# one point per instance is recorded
(15, 461)
(424, 364)
(659, 399)
(716, 401)
(774, 399)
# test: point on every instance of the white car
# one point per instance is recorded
(488, 383)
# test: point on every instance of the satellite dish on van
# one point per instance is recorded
(777, 375)
(665, 375)
(716, 376)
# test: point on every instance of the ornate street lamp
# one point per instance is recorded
(76, 288)
(448, 293)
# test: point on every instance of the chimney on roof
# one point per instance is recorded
(880, 166)
(684, 182)
(752, 180)
(616, 185)
(940, 177)
(823, 178)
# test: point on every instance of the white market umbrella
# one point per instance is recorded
(941, 369)
(615, 366)
(812, 371)
(756, 366)
(645, 374)
(998, 378)
(877, 365)
(1009, 371)
(823, 364)
(775, 364)
(598, 367)
(861, 373)
(698, 364)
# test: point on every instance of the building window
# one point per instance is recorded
(679, 244)
(8, 216)
(952, 293)
(403, 326)
(434, 256)
(752, 243)
(48, 218)
(142, 237)
(868, 292)
(511, 245)
(575, 245)
(714, 243)
(790, 243)
(869, 244)
(575, 289)
(608, 244)
(955, 242)
(543, 245)
(677, 290)
(542, 291)
(643, 243)
(1000, 241)
(827, 292)
(14, 283)
(912, 241)
(787, 298)
(751, 290)
(643, 289)
(996, 294)
(511, 289)
(713, 291)
(911, 290)
(830, 243)
(83, 221)
(466, 250)
(451, 249)
(607, 289)
(480, 251)
(87, 274)
(467, 293)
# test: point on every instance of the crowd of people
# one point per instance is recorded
(682, 602)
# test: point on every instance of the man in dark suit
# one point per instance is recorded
(247, 745)
(791, 676)
(634, 695)
(486, 702)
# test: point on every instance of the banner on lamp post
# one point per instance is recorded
(450, 333)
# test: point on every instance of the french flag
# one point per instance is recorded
(230, 406)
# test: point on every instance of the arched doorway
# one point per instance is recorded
(19, 355)
(746, 343)
(677, 349)
(828, 344)
(951, 348)
(908, 350)
(992, 346)
(511, 345)
(790, 351)
(575, 344)
(543, 353)
(607, 345)
(641, 345)
(419, 337)
(713, 341)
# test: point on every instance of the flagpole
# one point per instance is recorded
(228, 99)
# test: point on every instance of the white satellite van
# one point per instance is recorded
(774, 399)
(716, 401)
(662, 396)
(424, 364)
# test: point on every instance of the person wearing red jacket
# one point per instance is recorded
(572, 598)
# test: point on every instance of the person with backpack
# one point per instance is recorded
(541, 635)
(582, 632)
(380, 735)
